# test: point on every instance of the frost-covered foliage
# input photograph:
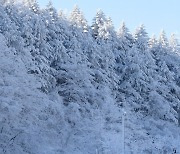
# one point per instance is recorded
(70, 88)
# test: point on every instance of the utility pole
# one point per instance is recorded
(178, 116)
(123, 130)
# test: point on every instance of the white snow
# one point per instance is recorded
(68, 88)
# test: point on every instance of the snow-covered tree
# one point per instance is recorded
(32, 5)
(52, 11)
(98, 22)
(77, 19)
(153, 42)
(9, 28)
(153, 45)
(106, 31)
(163, 41)
(174, 44)
(125, 37)
(141, 38)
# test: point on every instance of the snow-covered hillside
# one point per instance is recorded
(70, 88)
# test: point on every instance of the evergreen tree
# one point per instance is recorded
(106, 31)
(125, 37)
(77, 19)
(153, 43)
(32, 5)
(52, 11)
(9, 29)
(173, 42)
(163, 41)
(98, 22)
(141, 38)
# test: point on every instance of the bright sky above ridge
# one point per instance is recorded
(154, 14)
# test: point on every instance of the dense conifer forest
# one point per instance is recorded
(67, 87)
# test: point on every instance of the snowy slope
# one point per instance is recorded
(67, 88)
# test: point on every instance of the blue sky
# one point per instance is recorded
(154, 14)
